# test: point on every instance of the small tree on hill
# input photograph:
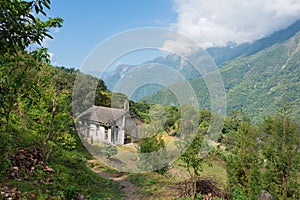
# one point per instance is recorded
(282, 157)
(153, 154)
(109, 150)
(243, 162)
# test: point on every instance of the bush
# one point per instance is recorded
(67, 141)
(109, 150)
(153, 155)
(238, 194)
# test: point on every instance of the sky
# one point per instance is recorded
(210, 23)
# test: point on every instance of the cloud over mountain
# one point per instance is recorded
(217, 22)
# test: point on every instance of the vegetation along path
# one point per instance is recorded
(130, 190)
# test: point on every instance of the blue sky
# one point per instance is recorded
(87, 23)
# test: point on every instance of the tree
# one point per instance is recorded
(191, 158)
(109, 150)
(89, 91)
(282, 158)
(19, 27)
(20, 83)
(190, 146)
(152, 149)
(191, 142)
(172, 117)
(45, 112)
(243, 162)
(18, 78)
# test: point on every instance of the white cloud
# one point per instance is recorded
(179, 45)
(217, 22)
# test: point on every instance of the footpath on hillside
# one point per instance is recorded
(130, 190)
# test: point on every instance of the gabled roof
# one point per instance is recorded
(102, 115)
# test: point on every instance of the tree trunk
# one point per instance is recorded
(288, 171)
(50, 133)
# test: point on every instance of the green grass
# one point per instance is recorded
(216, 172)
(153, 185)
(150, 184)
(72, 177)
(100, 166)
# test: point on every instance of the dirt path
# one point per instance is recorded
(131, 191)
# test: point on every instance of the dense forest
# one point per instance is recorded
(42, 156)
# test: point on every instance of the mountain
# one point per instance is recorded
(257, 76)
(256, 83)
(112, 77)
(171, 60)
(232, 51)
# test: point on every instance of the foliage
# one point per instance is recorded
(67, 141)
(109, 150)
(153, 155)
(238, 194)
(20, 28)
(281, 153)
(141, 109)
(172, 117)
(90, 91)
(243, 163)
(31, 127)
(263, 158)
(191, 158)
(35, 111)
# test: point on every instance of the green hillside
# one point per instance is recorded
(257, 84)
(177, 154)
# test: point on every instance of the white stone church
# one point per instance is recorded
(103, 125)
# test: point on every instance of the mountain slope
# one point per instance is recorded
(171, 61)
(257, 84)
(221, 55)
(230, 52)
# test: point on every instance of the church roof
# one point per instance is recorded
(104, 115)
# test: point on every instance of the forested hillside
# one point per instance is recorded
(256, 84)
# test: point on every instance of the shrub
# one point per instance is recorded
(238, 194)
(109, 150)
(67, 141)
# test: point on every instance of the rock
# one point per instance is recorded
(48, 169)
(264, 195)
(15, 168)
(80, 197)
(7, 193)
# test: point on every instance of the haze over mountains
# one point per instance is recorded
(258, 77)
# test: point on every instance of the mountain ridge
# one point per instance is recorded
(224, 54)
(257, 81)
(257, 84)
